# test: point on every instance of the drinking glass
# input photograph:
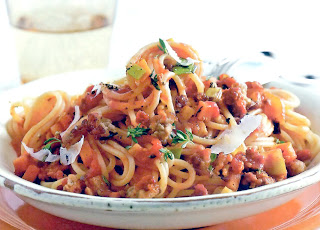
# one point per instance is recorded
(56, 36)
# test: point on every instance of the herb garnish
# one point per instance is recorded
(112, 87)
(279, 142)
(167, 154)
(163, 47)
(213, 157)
(49, 142)
(181, 137)
(106, 180)
(137, 132)
(154, 80)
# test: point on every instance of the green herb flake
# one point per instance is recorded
(106, 180)
(137, 132)
(49, 142)
(136, 71)
(279, 142)
(213, 157)
(167, 154)
(162, 46)
(183, 69)
(128, 147)
(154, 80)
(182, 137)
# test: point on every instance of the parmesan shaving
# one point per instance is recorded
(42, 155)
(68, 156)
(234, 136)
(75, 120)
(97, 89)
(184, 62)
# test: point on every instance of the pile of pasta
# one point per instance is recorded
(164, 130)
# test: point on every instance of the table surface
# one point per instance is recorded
(300, 213)
(214, 28)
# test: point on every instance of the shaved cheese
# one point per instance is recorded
(233, 137)
(97, 89)
(42, 155)
(75, 120)
(68, 156)
(184, 62)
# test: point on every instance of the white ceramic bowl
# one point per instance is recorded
(166, 213)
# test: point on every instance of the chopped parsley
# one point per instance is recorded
(106, 180)
(48, 143)
(167, 154)
(128, 147)
(213, 157)
(182, 137)
(137, 132)
(162, 46)
(279, 142)
(154, 80)
(112, 87)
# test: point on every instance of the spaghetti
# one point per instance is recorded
(164, 130)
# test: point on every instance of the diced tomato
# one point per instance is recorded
(21, 164)
(207, 110)
(146, 151)
(31, 173)
(287, 151)
(273, 107)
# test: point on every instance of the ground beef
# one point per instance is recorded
(226, 82)
(200, 97)
(181, 101)
(92, 125)
(53, 170)
(221, 164)
(143, 118)
(296, 167)
(74, 184)
(252, 159)
(256, 179)
(161, 126)
(90, 99)
(255, 93)
(200, 190)
(304, 154)
(235, 100)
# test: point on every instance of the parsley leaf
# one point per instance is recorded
(279, 142)
(163, 47)
(49, 142)
(137, 132)
(167, 154)
(182, 137)
(154, 80)
(106, 180)
(213, 157)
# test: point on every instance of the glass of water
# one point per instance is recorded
(56, 36)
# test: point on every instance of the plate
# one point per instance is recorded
(188, 212)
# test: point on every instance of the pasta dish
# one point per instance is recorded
(164, 130)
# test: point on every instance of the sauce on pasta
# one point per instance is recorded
(164, 130)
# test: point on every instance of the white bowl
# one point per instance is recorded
(168, 213)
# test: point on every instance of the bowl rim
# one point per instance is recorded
(55, 197)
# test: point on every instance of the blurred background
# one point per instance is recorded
(217, 29)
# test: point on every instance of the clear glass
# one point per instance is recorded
(56, 36)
